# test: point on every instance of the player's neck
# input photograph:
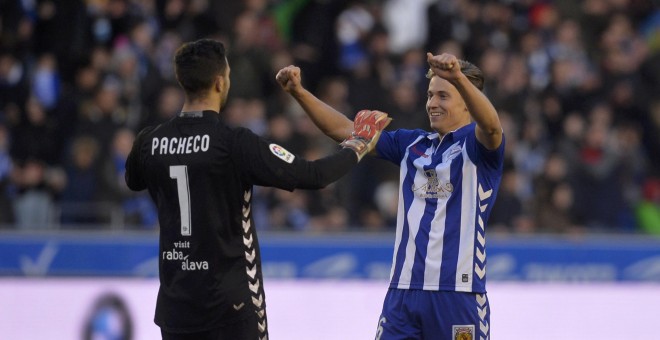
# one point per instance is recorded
(203, 104)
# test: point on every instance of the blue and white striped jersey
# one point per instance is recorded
(447, 187)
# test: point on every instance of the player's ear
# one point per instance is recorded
(219, 83)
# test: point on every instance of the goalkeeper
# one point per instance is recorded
(448, 182)
(200, 173)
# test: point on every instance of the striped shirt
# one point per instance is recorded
(447, 188)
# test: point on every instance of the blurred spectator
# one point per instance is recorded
(137, 207)
(170, 101)
(288, 210)
(412, 67)
(508, 214)
(324, 205)
(281, 131)
(530, 154)
(142, 70)
(250, 113)
(163, 51)
(553, 205)
(250, 59)
(6, 209)
(442, 24)
(56, 22)
(648, 208)
(83, 183)
(313, 42)
(36, 187)
(387, 200)
(556, 212)
(46, 81)
(508, 81)
(13, 83)
(538, 59)
(634, 164)
(569, 142)
(623, 48)
(372, 220)
(650, 132)
(267, 33)
(129, 79)
(407, 23)
(334, 91)
(353, 26)
(33, 137)
(380, 64)
(406, 106)
(335, 219)
(599, 197)
(102, 116)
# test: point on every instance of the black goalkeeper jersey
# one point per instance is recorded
(200, 174)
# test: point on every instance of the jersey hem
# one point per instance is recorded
(460, 289)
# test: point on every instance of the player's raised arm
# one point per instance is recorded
(365, 133)
(333, 123)
(268, 164)
(489, 129)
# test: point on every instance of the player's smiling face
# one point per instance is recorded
(445, 106)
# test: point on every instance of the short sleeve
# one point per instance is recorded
(392, 144)
(491, 159)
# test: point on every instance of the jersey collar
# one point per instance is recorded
(199, 114)
(191, 114)
(455, 134)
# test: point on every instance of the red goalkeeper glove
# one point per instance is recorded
(367, 127)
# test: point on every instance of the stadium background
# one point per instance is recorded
(573, 246)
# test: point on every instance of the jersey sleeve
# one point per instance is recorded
(268, 164)
(134, 175)
(491, 159)
(392, 144)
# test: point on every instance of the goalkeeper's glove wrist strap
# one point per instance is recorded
(357, 144)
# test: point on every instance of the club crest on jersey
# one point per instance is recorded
(282, 153)
(452, 152)
(433, 188)
(462, 332)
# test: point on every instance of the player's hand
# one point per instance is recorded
(445, 65)
(367, 127)
(289, 79)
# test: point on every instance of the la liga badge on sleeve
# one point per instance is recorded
(281, 153)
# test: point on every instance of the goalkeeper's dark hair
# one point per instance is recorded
(197, 63)
(472, 72)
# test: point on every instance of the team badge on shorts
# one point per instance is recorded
(462, 332)
(281, 153)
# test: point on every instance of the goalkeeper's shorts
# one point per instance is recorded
(246, 329)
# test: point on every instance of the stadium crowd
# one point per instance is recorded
(576, 84)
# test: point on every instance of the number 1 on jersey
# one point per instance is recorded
(180, 174)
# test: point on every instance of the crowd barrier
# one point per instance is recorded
(600, 258)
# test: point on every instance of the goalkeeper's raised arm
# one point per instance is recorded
(333, 123)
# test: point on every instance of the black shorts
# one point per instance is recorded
(247, 329)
